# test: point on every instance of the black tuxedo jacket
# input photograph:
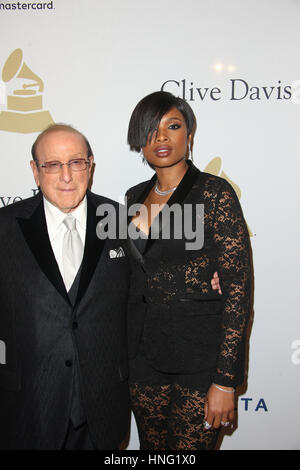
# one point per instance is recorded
(47, 339)
(182, 325)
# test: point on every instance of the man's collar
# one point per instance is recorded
(55, 216)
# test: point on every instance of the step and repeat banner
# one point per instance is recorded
(237, 63)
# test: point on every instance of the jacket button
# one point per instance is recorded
(68, 363)
(74, 325)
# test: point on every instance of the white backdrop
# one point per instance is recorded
(237, 64)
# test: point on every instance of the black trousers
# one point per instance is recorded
(78, 439)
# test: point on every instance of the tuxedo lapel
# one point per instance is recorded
(92, 249)
(185, 184)
(34, 229)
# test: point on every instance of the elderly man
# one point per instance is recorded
(63, 384)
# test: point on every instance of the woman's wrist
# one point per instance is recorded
(224, 389)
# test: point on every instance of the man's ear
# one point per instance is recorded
(91, 159)
(35, 172)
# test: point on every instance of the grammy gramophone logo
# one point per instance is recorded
(214, 167)
(24, 97)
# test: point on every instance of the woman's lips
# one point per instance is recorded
(163, 151)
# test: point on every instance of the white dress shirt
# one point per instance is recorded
(57, 229)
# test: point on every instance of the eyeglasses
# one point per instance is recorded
(75, 165)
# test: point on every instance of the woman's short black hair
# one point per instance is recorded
(147, 115)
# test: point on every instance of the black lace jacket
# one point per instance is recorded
(184, 326)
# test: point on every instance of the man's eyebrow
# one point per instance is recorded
(75, 155)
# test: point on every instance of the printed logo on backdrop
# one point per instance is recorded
(238, 90)
(214, 167)
(251, 404)
(295, 358)
(21, 96)
(34, 6)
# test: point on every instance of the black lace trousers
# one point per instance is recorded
(169, 410)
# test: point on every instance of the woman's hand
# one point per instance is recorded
(215, 283)
(219, 406)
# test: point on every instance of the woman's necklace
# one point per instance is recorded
(163, 193)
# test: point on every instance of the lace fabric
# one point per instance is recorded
(171, 417)
(186, 324)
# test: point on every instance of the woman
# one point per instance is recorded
(186, 342)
